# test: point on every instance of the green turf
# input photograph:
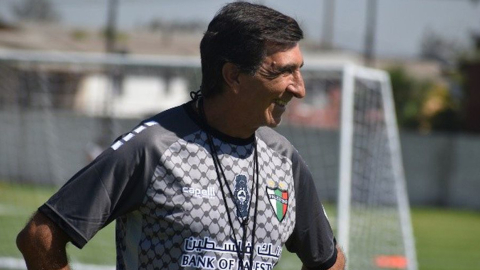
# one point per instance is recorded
(445, 239)
(19, 202)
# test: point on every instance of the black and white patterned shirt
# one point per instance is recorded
(160, 185)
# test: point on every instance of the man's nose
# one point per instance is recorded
(297, 88)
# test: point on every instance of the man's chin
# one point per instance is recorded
(275, 123)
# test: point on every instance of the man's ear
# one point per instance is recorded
(230, 73)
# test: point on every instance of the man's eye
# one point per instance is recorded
(270, 74)
(288, 71)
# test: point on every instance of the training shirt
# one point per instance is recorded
(160, 185)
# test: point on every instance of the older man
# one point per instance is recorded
(208, 184)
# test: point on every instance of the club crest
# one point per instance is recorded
(279, 201)
(241, 196)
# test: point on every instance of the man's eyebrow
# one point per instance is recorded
(289, 67)
(273, 71)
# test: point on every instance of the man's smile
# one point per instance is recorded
(281, 102)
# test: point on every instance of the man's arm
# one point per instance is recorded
(339, 263)
(43, 244)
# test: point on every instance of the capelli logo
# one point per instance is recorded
(201, 193)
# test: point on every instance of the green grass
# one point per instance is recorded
(19, 202)
(445, 239)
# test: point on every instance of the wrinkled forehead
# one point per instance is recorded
(275, 47)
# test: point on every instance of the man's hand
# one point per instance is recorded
(43, 244)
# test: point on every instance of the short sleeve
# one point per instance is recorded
(112, 185)
(312, 239)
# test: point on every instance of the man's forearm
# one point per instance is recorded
(45, 262)
(43, 245)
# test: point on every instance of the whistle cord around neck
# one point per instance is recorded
(241, 250)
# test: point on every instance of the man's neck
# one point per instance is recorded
(222, 115)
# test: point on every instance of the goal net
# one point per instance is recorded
(59, 110)
(349, 135)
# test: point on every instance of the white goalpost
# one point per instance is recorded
(56, 109)
(347, 133)
(374, 226)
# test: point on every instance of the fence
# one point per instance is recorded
(54, 119)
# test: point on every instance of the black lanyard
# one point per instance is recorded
(241, 250)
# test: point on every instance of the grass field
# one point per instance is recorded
(445, 239)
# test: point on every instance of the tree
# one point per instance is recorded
(424, 105)
(440, 111)
(438, 48)
(408, 95)
(35, 10)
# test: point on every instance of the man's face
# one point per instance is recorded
(276, 82)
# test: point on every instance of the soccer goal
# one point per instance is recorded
(58, 110)
(349, 138)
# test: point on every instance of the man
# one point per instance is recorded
(206, 185)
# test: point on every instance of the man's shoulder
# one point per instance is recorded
(174, 120)
(269, 134)
(276, 141)
(169, 116)
(159, 130)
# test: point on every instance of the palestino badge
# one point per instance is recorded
(279, 200)
(241, 196)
